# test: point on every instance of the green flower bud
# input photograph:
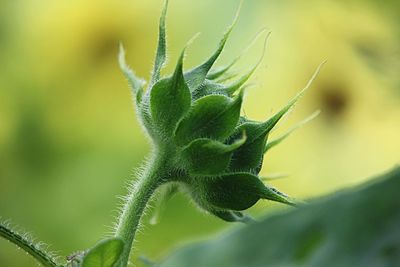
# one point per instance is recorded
(194, 118)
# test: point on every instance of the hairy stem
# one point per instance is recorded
(27, 245)
(136, 203)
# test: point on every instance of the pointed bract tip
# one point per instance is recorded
(272, 194)
(314, 76)
(188, 43)
(221, 71)
(121, 56)
(161, 54)
(255, 39)
(240, 95)
(135, 82)
(264, 48)
(284, 111)
(230, 89)
(308, 85)
(278, 140)
(164, 11)
(274, 176)
(235, 19)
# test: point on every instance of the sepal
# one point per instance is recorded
(209, 157)
(236, 191)
(250, 155)
(213, 116)
(170, 99)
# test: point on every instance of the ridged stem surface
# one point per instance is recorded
(136, 203)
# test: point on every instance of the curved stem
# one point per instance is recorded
(27, 245)
(136, 203)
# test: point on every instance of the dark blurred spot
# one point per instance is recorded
(33, 148)
(310, 242)
(103, 46)
(391, 252)
(370, 52)
(334, 100)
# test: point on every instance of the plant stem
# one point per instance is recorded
(24, 243)
(136, 203)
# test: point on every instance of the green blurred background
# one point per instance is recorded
(69, 139)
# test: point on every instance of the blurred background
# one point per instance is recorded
(69, 139)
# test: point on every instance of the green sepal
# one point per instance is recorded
(273, 176)
(249, 156)
(161, 54)
(105, 253)
(232, 216)
(237, 191)
(136, 83)
(273, 194)
(209, 87)
(170, 99)
(213, 116)
(196, 76)
(209, 157)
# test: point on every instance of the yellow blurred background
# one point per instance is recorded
(69, 139)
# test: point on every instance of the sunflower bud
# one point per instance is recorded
(194, 117)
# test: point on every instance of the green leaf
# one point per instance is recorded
(161, 48)
(213, 117)
(237, 191)
(170, 99)
(196, 76)
(209, 157)
(249, 156)
(354, 227)
(136, 83)
(209, 88)
(105, 253)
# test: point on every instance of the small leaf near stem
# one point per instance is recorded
(106, 253)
